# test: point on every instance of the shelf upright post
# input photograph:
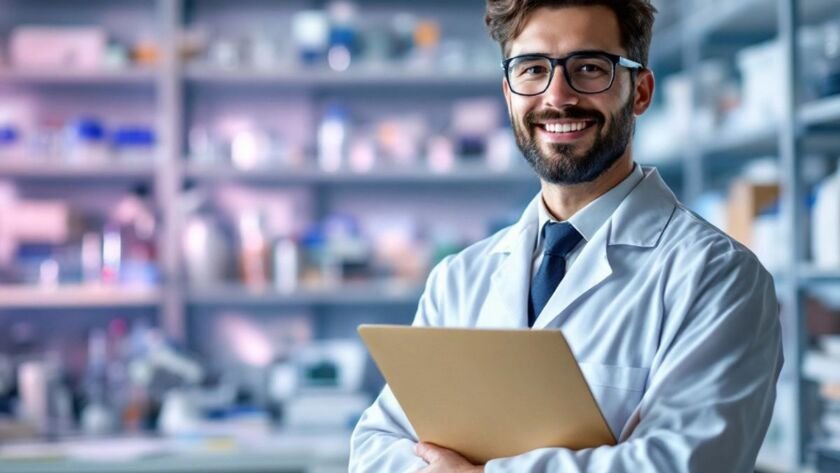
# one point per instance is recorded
(692, 155)
(792, 223)
(168, 172)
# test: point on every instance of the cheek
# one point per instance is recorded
(521, 106)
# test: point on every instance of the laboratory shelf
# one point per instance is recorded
(373, 293)
(394, 75)
(50, 171)
(740, 18)
(459, 175)
(752, 142)
(821, 112)
(128, 76)
(735, 16)
(762, 141)
(810, 274)
(77, 296)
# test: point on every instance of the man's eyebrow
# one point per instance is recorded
(529, 53)
(576, 51)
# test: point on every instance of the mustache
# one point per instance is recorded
(568, 113)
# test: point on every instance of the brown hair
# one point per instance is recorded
(506, 18)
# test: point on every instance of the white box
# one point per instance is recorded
(57, 47)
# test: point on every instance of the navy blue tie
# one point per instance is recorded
(559, 240)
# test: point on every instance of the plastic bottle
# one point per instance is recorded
(332, 139)
(11, 148)
(134, 144)
(253, 256)
(85, 142)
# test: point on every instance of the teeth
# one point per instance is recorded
(564, 127)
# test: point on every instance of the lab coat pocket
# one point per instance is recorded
(617, 389)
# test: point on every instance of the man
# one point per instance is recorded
(675, 325)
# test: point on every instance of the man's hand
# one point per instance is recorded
(443, 460)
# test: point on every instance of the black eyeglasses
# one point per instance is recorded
(586, 72)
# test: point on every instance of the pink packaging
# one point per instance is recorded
(57, 47)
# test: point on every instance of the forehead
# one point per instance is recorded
(560, 30)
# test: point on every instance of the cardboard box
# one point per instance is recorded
(746, 201)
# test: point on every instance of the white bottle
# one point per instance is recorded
(332, 139)
(825, 224)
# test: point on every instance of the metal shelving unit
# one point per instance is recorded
(131, 76)
(46, 170)
(459, 175)
(677, 46)
(85, 297)
(753, 21)
(369, 293)
(315, 78)
(172, 81)
(820, 112)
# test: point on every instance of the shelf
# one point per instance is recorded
(811, 274)
(34, 297)
(821, 112)
(733, 16)
(459, 175)
(751, 20)
(34, 170)
(391, 75)
(132, 76)
(754, 142)
(376, 293)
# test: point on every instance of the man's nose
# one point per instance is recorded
(559, 93)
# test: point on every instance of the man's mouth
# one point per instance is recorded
(566, 126)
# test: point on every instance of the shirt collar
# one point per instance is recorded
(589, 219)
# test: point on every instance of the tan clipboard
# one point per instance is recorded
(488, 393)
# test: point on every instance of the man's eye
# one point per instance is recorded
(536, 70)
(531, 69)
(591, 69)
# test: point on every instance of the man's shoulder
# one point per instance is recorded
(690, 235)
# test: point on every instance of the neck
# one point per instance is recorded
(563, 200)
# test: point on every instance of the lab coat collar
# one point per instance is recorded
(639, 221)
(645, 212)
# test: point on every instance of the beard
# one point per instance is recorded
(562, 165)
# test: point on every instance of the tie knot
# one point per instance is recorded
(560, 238)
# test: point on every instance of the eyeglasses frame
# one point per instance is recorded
(616, 60)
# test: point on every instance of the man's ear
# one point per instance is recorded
(645, 85)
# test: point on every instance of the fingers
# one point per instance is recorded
(429, 452)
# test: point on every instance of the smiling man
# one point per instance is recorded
(674, 325)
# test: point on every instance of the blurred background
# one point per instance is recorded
(200, 200)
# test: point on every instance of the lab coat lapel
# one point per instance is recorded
(588, 271)
(639, 221)
(506, 305)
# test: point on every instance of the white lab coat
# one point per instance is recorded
(675, 327)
